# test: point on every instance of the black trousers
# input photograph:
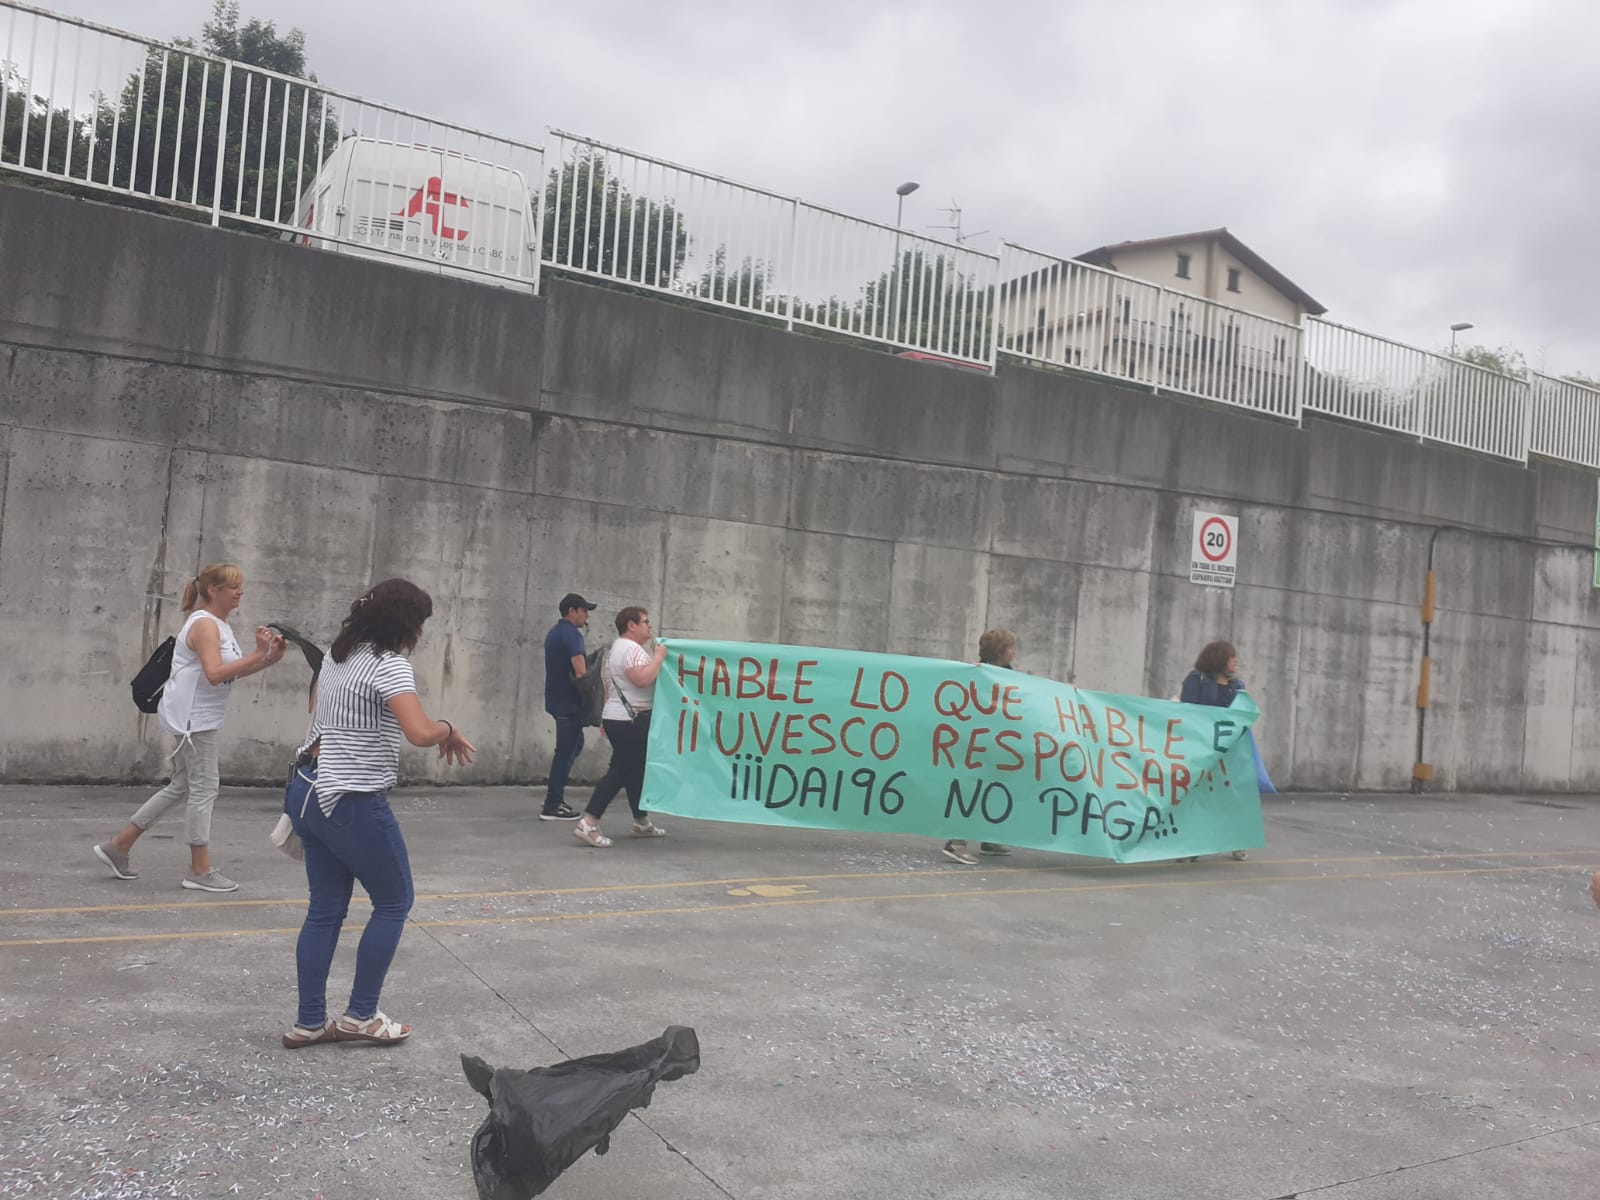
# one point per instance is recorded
(626, 772)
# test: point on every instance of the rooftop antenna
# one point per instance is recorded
(954, 213)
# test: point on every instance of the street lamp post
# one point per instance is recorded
(1458, 327)
(904, 190)
(897, 276)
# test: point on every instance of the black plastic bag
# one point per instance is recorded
(542, 1121)
(312, 652)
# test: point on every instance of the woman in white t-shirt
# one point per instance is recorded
(630, 678)
(205, 661)
(338, 802)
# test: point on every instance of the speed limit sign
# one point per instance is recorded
(1213, 553)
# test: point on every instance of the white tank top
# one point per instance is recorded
(189, 704)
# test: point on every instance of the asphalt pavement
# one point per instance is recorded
(1393, 1000)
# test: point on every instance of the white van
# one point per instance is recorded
(436, 210)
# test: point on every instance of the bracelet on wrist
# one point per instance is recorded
(451, 728)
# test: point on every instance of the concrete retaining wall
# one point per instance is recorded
(171, 395)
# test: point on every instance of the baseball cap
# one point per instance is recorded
(572, 600)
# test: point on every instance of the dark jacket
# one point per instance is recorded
(1202, 689)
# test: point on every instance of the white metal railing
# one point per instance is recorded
(162, 124)
(101, 109)
(629, 218)
(1377, 381)
(922, 294)
(1071, 314)
(1566, 421)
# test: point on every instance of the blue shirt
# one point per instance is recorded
(561, 644)
(1203, 689)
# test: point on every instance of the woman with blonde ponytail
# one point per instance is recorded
(205, 662)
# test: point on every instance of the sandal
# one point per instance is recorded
(648, 828)
(376, 1029)
(302, 1035)
(590, 835)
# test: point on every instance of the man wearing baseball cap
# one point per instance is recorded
(563, 665)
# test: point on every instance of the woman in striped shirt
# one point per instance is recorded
(338, 801)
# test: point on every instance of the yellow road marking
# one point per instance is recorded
(747, 880)
(773, 890)
(1233, 879)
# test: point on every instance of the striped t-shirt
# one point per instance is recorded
(360, 735)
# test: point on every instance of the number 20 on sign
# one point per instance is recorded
(1214, 549)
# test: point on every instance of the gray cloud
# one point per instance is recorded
(1409, 162)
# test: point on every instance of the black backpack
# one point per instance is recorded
(152, 677)
(591, 689)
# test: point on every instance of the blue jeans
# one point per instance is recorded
(359, 841)
(569, 744)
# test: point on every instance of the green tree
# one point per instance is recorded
(927, 302)
(938, 309)
(1507, 360)
(744, 285)
(167, 122)
(592, 223)
(33, 134)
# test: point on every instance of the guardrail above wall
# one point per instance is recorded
(628, 218)
(1070, 314)
(157, 124)
(151, 122)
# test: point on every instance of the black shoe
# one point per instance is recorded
(564, 813)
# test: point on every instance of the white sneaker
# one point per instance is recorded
(116, 860)
(210, 881)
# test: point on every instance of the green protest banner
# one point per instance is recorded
(834, 739)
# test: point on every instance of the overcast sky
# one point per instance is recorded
(1411, 163)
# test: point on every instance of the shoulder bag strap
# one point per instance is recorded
(611, 668)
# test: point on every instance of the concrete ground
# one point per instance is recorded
(1394, 1000)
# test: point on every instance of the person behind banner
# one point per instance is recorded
(630, 677)
(1214, 681)
(996, 648)
(564, 665)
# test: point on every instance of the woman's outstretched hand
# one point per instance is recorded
(455, 749)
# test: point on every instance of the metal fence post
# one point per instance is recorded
(1530, 394)
(994, 306)
(1302, 364)
(793, 265)
(538, 213)
(222, 145)
(1159, 332)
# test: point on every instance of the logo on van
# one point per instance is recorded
(431, 198)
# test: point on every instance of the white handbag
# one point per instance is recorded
(286, 839)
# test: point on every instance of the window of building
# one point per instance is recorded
(1183, 266)
(1233, 279)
